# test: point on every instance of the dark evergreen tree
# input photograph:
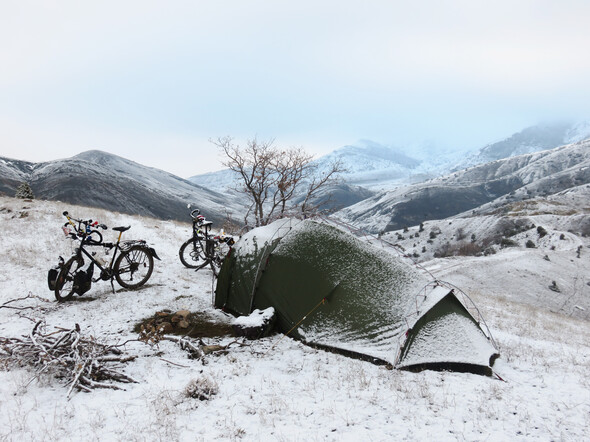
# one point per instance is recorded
(24, 191)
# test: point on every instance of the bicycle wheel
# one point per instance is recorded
(64, 284)
(192, 254)
(134, 267)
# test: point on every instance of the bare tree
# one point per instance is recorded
(272, 177)
(318, 181)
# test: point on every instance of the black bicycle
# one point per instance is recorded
(204, 248)
(131, 264)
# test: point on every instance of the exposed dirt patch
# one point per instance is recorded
(182, 323)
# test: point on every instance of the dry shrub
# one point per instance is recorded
(460, 249)
(470, 249)
(202, 389)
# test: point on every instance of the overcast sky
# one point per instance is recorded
(154, 81)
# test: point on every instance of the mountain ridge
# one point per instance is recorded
(511, 179)
(386, 173)
(104, 180)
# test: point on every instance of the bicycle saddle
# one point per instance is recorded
(121, 229)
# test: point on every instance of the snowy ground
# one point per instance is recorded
(279, 389)
(560, 257)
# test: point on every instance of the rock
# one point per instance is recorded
(165, 327)
(256, 325)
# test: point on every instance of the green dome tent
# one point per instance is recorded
(330, 289)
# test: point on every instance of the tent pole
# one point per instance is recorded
(323, 301)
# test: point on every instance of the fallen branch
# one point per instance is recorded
(194, 349)
(174, 363)
(29, 296)
(198, 350)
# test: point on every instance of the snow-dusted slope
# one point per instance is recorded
(512, 179)
(532, 139)
(578, 132)
(276, 388)
(222, 181)
(368, 163)
(104, 180)
(377, 166)
(532, 243)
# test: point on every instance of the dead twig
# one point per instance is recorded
(174, 363)
(194, 349)
(29, 307)
(199, 350)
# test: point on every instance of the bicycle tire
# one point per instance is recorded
(64, 283)
(192, 255)
(137, 261)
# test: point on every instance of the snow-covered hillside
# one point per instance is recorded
(532, 139)
(479, 188)
(107, 181)
(542, 244)
(274, 388)
(378, 167)
(223, 181)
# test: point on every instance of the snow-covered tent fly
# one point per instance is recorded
(332, 290)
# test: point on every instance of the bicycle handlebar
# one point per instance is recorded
(87, 223)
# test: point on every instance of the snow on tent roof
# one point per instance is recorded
(333, 290)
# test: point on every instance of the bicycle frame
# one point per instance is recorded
(105, 272)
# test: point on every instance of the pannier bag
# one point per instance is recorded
(83, 280)
(52, 277)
